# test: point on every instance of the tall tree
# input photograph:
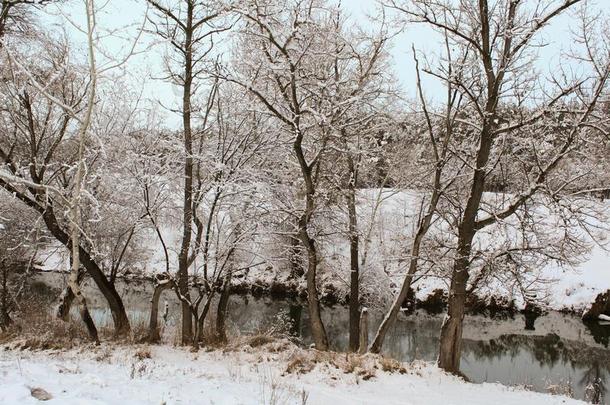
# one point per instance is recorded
(44, 99)
(299, 63)
(498, 39)
(189, 28)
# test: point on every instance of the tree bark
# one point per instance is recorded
(75, 203)
(221, 311)
(317, 326)
(199, 326)
(153, 328)
(5, 318)
(313, 303)
(354, 294)
(364, 331)
(451, 331)
(115, 303)
(66, 298)
(187, 218)
(392, 314)
(422, 229)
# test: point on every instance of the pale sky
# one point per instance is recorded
(146, 66)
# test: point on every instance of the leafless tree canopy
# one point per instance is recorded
(298, 160)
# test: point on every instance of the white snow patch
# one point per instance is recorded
(172, 376)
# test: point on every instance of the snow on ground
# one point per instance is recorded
(125, 375)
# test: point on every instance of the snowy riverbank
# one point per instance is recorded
(387, 218)
(274, 373)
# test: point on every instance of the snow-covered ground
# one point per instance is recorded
(276, 373)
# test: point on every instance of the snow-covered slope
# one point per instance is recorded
(110, 375)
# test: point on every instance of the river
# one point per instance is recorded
(556, 352)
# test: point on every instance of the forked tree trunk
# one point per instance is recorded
(86, 317)
(73, 282)
(66, 299)
(200, 320)
(75, 203)
(115, 303)
(187, 213)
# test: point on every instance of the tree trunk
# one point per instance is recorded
(199, 326)
(451, 331)
(153, 328)
(5, 319)
(75, 203)
(392, 314)
(221, 311)
(66, 298)
(354, 294)
(364, 331)
(317, 327)
(115, 303)
(424, 225)
(119, 315)
(187, 219)
(86, 317)
(313, 303)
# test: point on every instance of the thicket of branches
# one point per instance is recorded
(290, 131)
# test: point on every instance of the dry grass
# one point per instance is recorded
(259, 340)
(42, 332)
(139, 332)
(563, 388)
(39, 332)
(353, 363)
(390, 365)
(364, 367)
(143, 353)
(276, 391)
(298, 364)
(104, 355)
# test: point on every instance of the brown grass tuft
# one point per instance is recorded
(390, 365)
(143, 353)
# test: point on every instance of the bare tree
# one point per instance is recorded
(40, 126)
(80, 177)
(360, 96)
(189, 27)
(496, 43)
(439, 132)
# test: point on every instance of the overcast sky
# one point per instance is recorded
(145, 68)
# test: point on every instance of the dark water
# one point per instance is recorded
(559, 354)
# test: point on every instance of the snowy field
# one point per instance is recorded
(276, 373)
